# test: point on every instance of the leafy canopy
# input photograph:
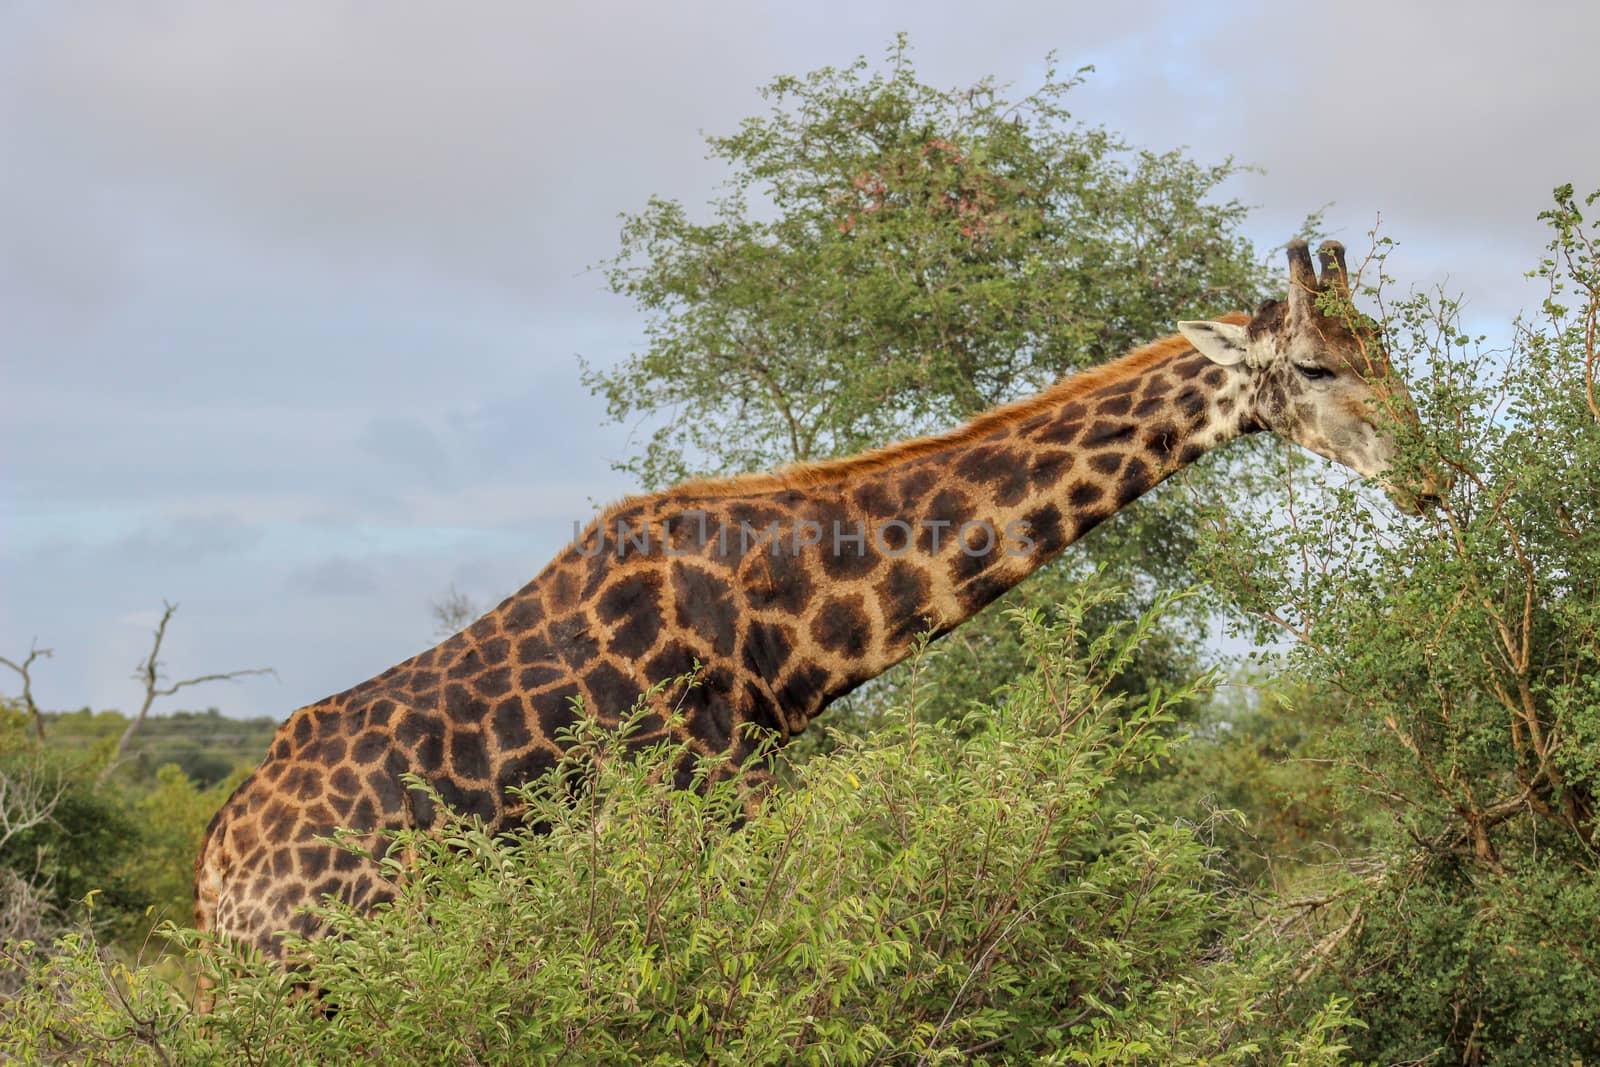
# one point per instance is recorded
(888, 257)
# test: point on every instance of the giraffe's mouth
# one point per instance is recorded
(1412, 503)
(1424, 495)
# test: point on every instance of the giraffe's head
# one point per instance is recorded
(1319, 375)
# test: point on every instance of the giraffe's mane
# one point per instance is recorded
(829, 471)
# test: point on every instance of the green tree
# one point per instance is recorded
(887, 258)
(115, 857)
(62, 838)
(1464, 653)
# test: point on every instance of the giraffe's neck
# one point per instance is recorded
(959, 523)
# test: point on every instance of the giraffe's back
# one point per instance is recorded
(483, 711)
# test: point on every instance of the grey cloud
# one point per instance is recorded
(497, 145)
(505, 142)
(408, 444)
(187, 541)
(421, 135)
(338, 576)
(1453, 123)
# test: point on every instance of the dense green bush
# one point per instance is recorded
(113, 859)
(936, 893)
(77, 847)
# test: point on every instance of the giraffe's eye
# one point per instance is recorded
(1313, 374)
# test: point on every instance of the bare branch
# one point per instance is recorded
(149, 672)
(25, 669)
(27, 799)
(224, 677)
(452, 612)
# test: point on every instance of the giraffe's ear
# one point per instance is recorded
(1220, 342)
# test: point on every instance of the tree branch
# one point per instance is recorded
(149, 672)
(24, 669)
(27, 800)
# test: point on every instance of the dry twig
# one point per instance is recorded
(149, 672)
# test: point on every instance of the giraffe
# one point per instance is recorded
(787, 589)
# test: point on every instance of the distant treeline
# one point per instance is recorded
(206, 745)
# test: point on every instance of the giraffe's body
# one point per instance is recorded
(787, 589)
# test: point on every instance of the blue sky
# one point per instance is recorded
(292, 295)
